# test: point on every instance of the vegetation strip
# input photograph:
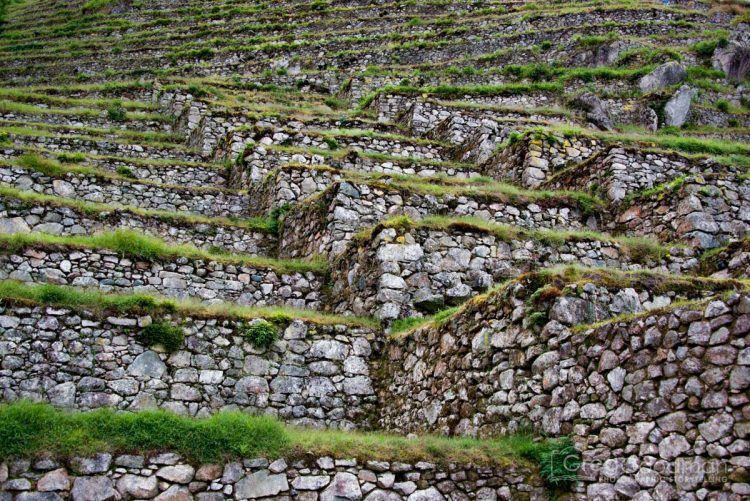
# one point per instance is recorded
(265, 225)
(31, 429)
(561, 276)
(138, 246)
(72, 297)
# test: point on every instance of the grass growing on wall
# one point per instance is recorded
(138, 246)
(97, 301)
(29, 429)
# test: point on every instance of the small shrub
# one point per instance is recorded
(4, 138)
(125, 171)
(163, 333)
(546, 45)
(331, 142)
(538, 318)
(559, 464)
(514, 137)
(276, 214)
(261, 334)
(722, 105)
(116, 112)
(71, 158)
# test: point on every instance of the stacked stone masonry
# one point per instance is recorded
(657, 404)
(328, 223)
(315, 375)
(167, 476)
(91, 188)
(19, 216)
(208, 281)
(407, 273)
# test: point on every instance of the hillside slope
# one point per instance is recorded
(448, 250)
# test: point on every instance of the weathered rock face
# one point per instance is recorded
(316, 375)
(596, 110)
(645, 399)
(733, 60)
(677, 109)
(168, 477)
(667, 74)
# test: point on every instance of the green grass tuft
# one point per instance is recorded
(163, 333)
(28, 429)
(261, 333)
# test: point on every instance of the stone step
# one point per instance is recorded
(434, 46)
(114, 262)
(405, 269)
(326, 223)
(316, 373)
(23, 211)
(348, 474)
(293, 184)
(97, 187)
(83, 118)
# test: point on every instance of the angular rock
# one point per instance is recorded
(343, 487)
(93, 489)
(667, 74)
(677, 109)
(261, 484)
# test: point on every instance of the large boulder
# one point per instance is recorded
(677, 109)
(667, 74)
(733, 60)
(596, 110)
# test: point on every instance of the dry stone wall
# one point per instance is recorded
(657, 404)
(92, 188)
(103, 147)
(328, 222)
(533, 160)
(259, 161)
(168, 476)
(209, 281)
(314, 375)
(621, 172)
(19, 216)
(705, 211)
(401, 273)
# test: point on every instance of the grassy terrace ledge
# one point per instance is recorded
(32, 429)
(12, 291)
(135, 245)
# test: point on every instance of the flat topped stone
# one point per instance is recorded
(261, 484)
